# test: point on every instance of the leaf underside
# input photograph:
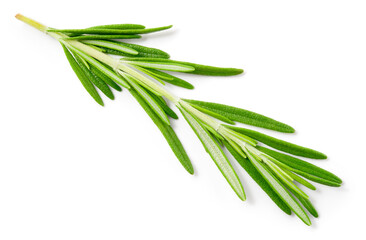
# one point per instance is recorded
(213, 149)
(142, 51)
(199, 69)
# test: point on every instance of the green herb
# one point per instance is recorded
(119, 26)
(244, 116)
(101, 37)
(280, 144)
(110, 31)
(198, 68)
(141, 72)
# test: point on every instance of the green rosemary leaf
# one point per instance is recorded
(237, 148)
(198, 68)
(100, 84)
(142, 83)
(175, 67)
(160, 100)
(106, 79)
(102, 68)
(97, 48)
(151, 101)
(147, 72)
(307, 204)
(172, 79)
(257, 177)
(289, 184)
(216, 154)
(280, 144)
(108, 31)
(218, 140)
(119, 26)
(213, 71)
(279, 189)
(103, 37)
(242, 137)
(145, 51)
(300, 180)
(83, 61)
(140, 53)
(244, 116)
(213, 114)
(167, 132)
(112, 45)
(161, 75)
(318, 179)
(81, 75)
(303, 168)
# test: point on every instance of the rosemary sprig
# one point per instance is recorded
(142, 72)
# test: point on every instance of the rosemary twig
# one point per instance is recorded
(143, 72)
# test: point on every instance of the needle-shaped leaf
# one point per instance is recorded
(279, 189)
(212, 114)
(307, 204)
(213, 149)
(118, 53)
(160, 74)
(303, 168)
(167, 132)
(218, 140)
(112, 45)
(198, 68)
(119, 26)
(149, 73)
(88, 85)
(244, 116)
(102, 68)
(172, 79)
(236, 147)
(100, 84)
(280, 144)
(106, 79)
(240, 136)
(110, 31)
(150, 100)
(257, 177)
(101, 37)
(289, 184)
(142, 51)
(300, 180)
(175, 67)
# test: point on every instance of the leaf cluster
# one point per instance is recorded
(146, 69)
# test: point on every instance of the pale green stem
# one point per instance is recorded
(31, 22)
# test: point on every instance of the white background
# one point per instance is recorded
(70, 169)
